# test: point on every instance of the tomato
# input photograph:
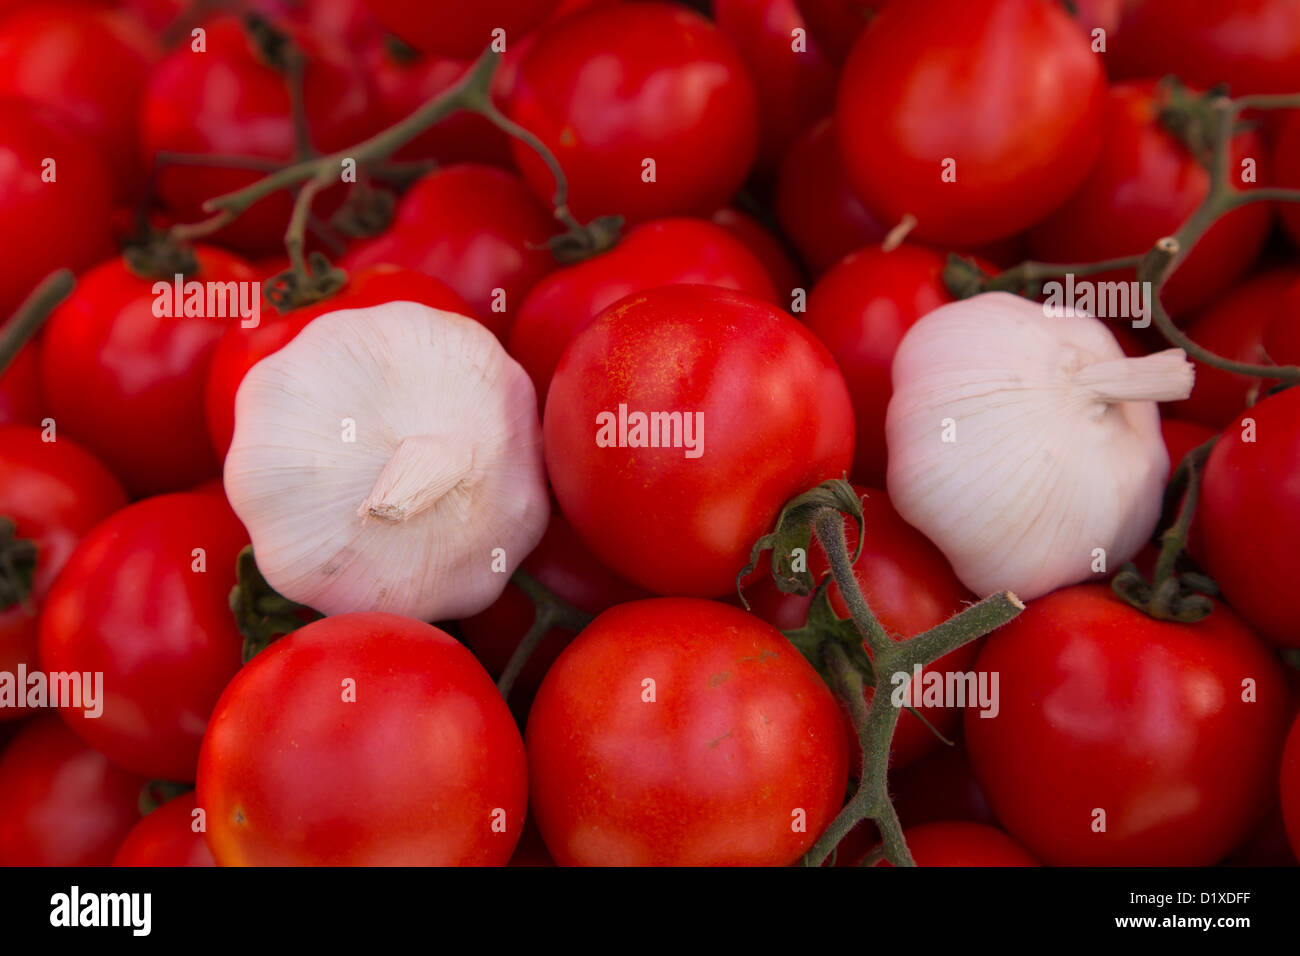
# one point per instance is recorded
(1181, 437)
(53, 492)
(166, 837)
(1234, 327)
(768, 417)
(128, 384)
(1145, 185)
(1252, 45)
(72, 209)
(682, 732)
(908, 586)
(562, 564)
(837, 23)
(1282, 335)
(816, 204)
(1100, 15)
(613, 87)
(227, 101)
(477, 229)
(20, 388)
(1291, 786)
(765, 244)
(860, 310)
(459, 29)
(239, 349)
(89, 66)
(1249, 515)
(1286, 167)
(939, 787)
(144, 599)
(1104, 709)
(1007, 90)
(795, 83)
(363, 739)
(960, 843)
(64, 804)
(664, 252)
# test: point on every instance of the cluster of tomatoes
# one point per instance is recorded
(762, 155)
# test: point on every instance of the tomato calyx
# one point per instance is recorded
(1189, 116)
(160, 256)
(157, 792)
(17, 567)
(582, 241)
(262, 614)
(272, 45)
(293, 289)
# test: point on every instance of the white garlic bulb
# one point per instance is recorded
(382, 458)
(1028, 447)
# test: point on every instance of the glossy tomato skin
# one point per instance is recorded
(741, 735)
(134, 602)
(129, 384)
(53, 492)
(908, 586)
(1144, 185)
(1103, 708)
(166, 837)
(1009, 90)
(414, 770)
(476, 228)
(679, 94)
(20, 388)
(1291, 787)
(239, 349)
(663, 252)
(1249, 515)
(960, 843)
(73, 209)
(64, 803)
(461, 30)
(761, 384)
(770, 250)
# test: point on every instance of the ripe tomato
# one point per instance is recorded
(239, 349)
(461, 30)
(663, 252)
(613, 87)
(1104, 710)
(682, 732)
(227, 101)
(750, 383)
(52, 177)
(960, 843)
(1144, 186)
(816, 204)
(20, 388)
(1007, 90)
(1282, 337)
(765, 244)
(1249, 515)
(166, 837)
(53, 492)
(363, 739)
(1286, 167)
(476, 228)
(909, 587)
(128, 384)
(1234, 327)
(89, 66)
(144, 599)
(1291, 786)
(64, 803)
(837, 23)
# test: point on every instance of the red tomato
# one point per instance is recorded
(769, 418)
(227, 101)
(1181, 437)
(908, 586)
(1234, 327)
(1007, 90)
(20, 388)
(89, 66)
(1100, 15)
(664, 252)
(1252, 45)
(129, 384)
(64, 804)
(939, 787)
(53, 492)
(681, 732)
(1291, 786)
(1144, 186)
(240, 349)
(72, 208)
(769, 249)
(816, 204)
(959, 843)
(613, 87)
(139, 602)
(456, 29)
(166, 837)
(794, 80)
(1286, 167)
(476, 228)
(1249, 515)
(837, 23)
(1106, 709)
(363, 739)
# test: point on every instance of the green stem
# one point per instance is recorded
(549, 611)
(829, 527)
(33, 312)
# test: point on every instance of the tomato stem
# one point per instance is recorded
(549, 611)
(31, 315)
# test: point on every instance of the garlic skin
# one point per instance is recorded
(1057, 449)
(381, 456)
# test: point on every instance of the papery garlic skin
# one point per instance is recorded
(382, 456)
(1057, 448)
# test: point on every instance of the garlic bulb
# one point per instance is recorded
(1028, 447)
(389, 459)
